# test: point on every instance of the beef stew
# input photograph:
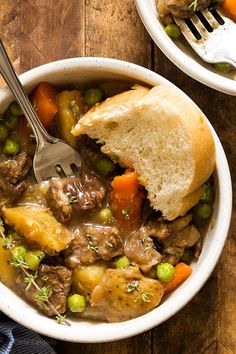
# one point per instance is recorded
(81, 245)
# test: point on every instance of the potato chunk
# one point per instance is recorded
(70, 108)
(86, 278)
(7, 271)
(125, 294)
(39, 227)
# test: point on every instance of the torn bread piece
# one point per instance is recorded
(160, 134)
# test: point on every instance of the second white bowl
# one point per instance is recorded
(181, 54)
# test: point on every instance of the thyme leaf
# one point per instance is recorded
(125, 213)
(94, 248)
(29, 279)
(109, 244)
(146, 242)
(60, 319)
(7, 242)
(146, 297)
(73, 200)
(19, 262)
(132, 286)
(143, 239)
(45, 277)
(194, 5)
(44, 294)
(91, 244)
(147, 248)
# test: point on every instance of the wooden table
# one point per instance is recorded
(40, 31)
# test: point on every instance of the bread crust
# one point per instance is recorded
(197, 129)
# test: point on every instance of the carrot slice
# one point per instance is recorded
(181, 273)
(44, 100)
(229, 7)
(126, 200)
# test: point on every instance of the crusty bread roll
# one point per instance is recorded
(162, 136)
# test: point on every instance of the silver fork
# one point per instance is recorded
(211, 35)
(52, 157)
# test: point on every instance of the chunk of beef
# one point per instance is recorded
(92, 243)
(13, 171)
(180, 223)
(173, 236)
(57, 279)
(58, 201)
(187, 237)
(182, 8)
(140, 250)
(174, 246)
(158, 229)
(74, 193)
(125, 294)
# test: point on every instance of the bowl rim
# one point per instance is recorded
(105, 332)
(188, 65)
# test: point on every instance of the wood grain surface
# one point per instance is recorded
(40, 31)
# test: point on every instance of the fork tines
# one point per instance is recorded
(201, 24)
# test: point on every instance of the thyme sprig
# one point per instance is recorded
(19, 262)
(7, 242)
(43, 295)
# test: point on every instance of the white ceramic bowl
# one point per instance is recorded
(82, 71)
(181, 54)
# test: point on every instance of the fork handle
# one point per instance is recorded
(9, 75)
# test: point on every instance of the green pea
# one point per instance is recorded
(165, 272)
(76, 303)
(12, 121)
(173, 31)
(4, 131)
(15, 109)
(19, 252)
(105, 215)
(208, 193)
(222, 67)
(203, 211)
(93, 96)
(122, 263)
(39, 254)
(33, 259)
(105, 166)
(11, 147)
